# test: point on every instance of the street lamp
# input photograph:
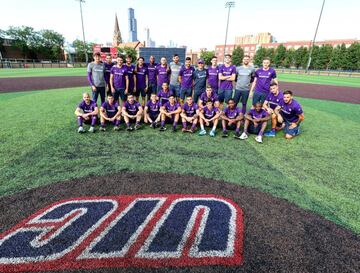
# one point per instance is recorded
(313, 41)
(83, 31)
(228, 5)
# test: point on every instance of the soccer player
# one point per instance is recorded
(290, 113)
(164, 94)
(86, 112)
(255, 122)
(108, 65)
(152, 84)
(209, 116)
(213, 75)
(163, 73)
(245, 75)
(119, 80)
(261, 85)
(110, 111)
(170, 113)
(231, 118)
(227, 74)
(132, 112)
(141, 73)
(271, 102)
(131, 74)
(152, 111)
(200, 76)
(175, 67)
(186, 79)
(96, 77)
(209, 94)
(189, 115)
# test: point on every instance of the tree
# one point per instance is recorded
(237, 56)
(207, 56)
(280, 55)
(2, 35)
(80, 50)
(352, 57)
(128, 51)
(24, 38)
(300, 57)
(289, 58)
(51, 44)
(314, 57)
(260, 55)
(270, 53)
(337, 60)
(323, 58)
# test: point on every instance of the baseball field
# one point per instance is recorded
(300, 198)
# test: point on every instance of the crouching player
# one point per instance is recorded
(209, 94)
(152, 112)
(110, 111)
(86, 112)
(231, 118)
(132, 112)
(290, 114)
(209, 116)
(255, 122)
(170, 113)
(272, 101)
(189, 115)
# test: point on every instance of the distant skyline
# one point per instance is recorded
(196, 24)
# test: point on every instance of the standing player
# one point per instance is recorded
(108, 65)
(96, 77)
(189, 115)
(200, 76)
(132, 112)
(227, 74)
(170, 113)
(186, 79)
(290, 113)
(152, 111)
(163, 73)
(164, 93)
(119, 80)
(209, 116)
(86, 112)
(208, 95)
(152, 85)
(110, 111)
(131, 74)
(261, 85)
(245, 75)
(272, 101)
(255, 122)
(213, 75)
(231, 118)
(175, 67)
(141, 73)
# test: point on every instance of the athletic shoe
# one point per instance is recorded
(129, 128)
(225, 134)
(162, 129)
(202, 133)
(81, 130)
(237, 135)
(152, 125)
(174, 129)
(192, 130)
(137, 126)
(243, 136)
(212, 133)
(116, 128)
(269, 133)
(258, 139)
(92, 129)
(102, 129)
(156, 124)
(184, 130)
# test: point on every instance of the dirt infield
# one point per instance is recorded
(315, 91)
(279, 237)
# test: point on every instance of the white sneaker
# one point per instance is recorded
(243, 136)
(81, 130)
(92, 129)
(258, 139)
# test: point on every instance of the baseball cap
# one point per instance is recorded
(200, 61)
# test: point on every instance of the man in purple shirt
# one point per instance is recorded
(189, 115)
(227, 75)
(261, 85)
(110, 111)
(152, 111)
(152, 86)
(86, 112)
(131, 73)
(231, 119)
(132, 112)
(164, 94)
(213, 75)
(108, 65)
(290, 114)
(163, 73)
(271, 102)
(209, 94)
(186, 79)
(170, 113)
(209, 116)
(255, 122)
(141, 73)
(119, 80)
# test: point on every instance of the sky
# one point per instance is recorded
(194, 23)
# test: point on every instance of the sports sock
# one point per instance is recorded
(80, 121)
(93, 120)
(184, 124)
(202, 126)
(162, 123)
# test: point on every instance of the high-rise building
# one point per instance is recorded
(117, 34)
(132, 26)
(148, 41)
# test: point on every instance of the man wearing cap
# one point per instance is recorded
(200, 76)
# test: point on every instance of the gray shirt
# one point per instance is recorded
(244, 76)
(97, 74)
(200, 79)
(175, 69)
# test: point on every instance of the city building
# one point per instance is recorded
(117, 34)
(148, 41)
(159, 52)
(132, 26)
(260, 38)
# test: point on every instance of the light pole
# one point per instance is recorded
(313, 41)
(228, 5)
(83, 31)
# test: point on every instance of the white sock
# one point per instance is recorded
(202, 127)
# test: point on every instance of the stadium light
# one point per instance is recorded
(83, 31)
(313, 41)
(228, 5)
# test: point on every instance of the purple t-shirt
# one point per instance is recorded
(87, 108)
(153, 108)
(132, 109)
(204, 97)
(186, 77)
(213, 77)
(171, 108)
(264, 78)
(110, 110)
(152, 72)
(131, 72)
(141, 77)
(209, 114)
(274, 100)
(257, 115)
(164, 96)
(120, 74)
(163, 74)
(107, 71)
(227, 71)
(190, 110)
(232, 113)
(290, 111)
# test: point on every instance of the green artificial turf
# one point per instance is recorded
(318, 170)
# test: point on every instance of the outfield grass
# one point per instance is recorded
(318, 171)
